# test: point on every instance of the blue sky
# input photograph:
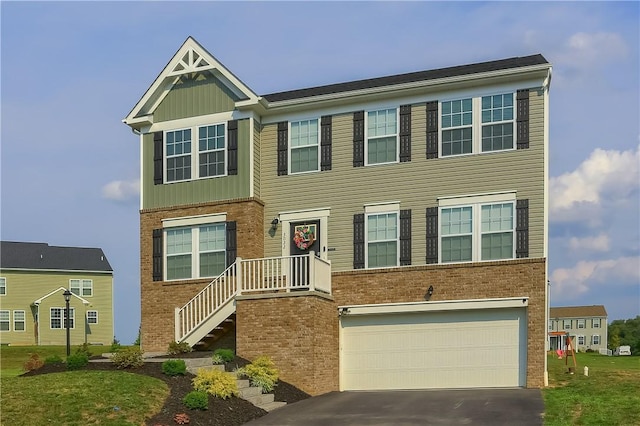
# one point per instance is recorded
(71, 71)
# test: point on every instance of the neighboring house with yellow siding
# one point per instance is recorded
(33, 278)
(384, 233)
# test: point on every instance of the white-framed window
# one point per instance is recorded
(581, 340)
(382, 141)
(185, 159)
(477, 124)
(196, 251)
(596, 323)
(57, 318)
(3, 286)
(5, 320)
(566, 324)
(304, 142)
(550, 325)
(581, 323)
(483, 228)
(92, 317)
(383, 239)
(82, 288)
(19, 321)
(595, 339)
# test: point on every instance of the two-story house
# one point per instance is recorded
(386, 233)
(33, 278)
(586, 325)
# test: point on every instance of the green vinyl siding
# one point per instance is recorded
(25, 287)
(192, 97)
(416, 184)
(199, 190)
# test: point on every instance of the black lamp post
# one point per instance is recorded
(67, 298)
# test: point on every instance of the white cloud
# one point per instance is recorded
(611, 175)
(568, 282)
(584, 49)
(600, 242)
(120, 190)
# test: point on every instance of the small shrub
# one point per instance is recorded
(217, 383)
(227, 355)
(115, 346)
(261, 372)
(217, 359)
(174, 367)
(196, 400)
(84, 349)
(178, 348)
(128, 358)
(53, 359)
(181, 418)
(77, 361)
(33, 363)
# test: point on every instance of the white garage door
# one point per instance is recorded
(451, 349)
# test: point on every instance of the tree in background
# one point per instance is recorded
(625, 332)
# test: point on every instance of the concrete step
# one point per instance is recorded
(272, 406)
(243, 383)
(250, 391)
(260, 399)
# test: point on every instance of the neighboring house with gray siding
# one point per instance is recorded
(336, 226)
(587, 326)
(33, 278)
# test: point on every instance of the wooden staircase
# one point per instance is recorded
(222, 336)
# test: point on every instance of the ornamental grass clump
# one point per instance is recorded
(176, 348)
(225, 355)
(215, 382)
(33, 363)
(261, 372)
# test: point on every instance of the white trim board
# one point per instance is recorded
(446, 305)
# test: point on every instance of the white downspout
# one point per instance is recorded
(546, 86)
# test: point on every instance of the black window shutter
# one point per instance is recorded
(522, 118)
(405, 133)
(432, 129)
(325, 143)
(157, 255)
(358, 241)
(283, 142)
(522, 228)
(358, 139)
(432, 235)
(158, 149)
(232, 147)
(232, 243)
(405, 237)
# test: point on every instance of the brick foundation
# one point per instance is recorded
(158, 298)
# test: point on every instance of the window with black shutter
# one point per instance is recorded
(358, 241)
(232, 147)
(432, 235)
(283, 142)
(522, 228)
(405, 133)
(432, 129)
(231, 243)
(405, 237)
(358, 139)
(522, 118)
(158, 149)
(157, 255)
(325, 143)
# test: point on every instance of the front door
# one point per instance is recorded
(305, 237)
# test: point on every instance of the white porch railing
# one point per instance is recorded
(214, 303)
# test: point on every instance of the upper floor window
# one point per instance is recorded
(82, 288)
(596, 323)
(479, 124)
(3, 286)
(195, 252)
(581, 323)
(477, 232)
(206, 157)
(550, 325)
(303, 146)
(382, 136)
(566, 324)
(382, 239)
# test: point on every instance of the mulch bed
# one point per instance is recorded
(229, 412)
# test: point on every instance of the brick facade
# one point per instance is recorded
(298, 331)
(158, 298)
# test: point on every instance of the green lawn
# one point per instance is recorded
(610, 395)
(74, 397)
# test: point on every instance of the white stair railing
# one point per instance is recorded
(214, 303)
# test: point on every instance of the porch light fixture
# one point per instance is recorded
(67, 299)
(429, 293)
(274, 223)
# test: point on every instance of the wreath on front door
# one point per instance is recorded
(304, 236)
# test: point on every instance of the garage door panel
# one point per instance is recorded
(434, 350)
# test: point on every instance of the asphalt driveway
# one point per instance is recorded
(522, 407)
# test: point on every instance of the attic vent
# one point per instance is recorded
(101, 257)
(40, 256)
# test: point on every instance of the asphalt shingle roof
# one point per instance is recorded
(19, 255)
(502, 64)
(578, 311)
